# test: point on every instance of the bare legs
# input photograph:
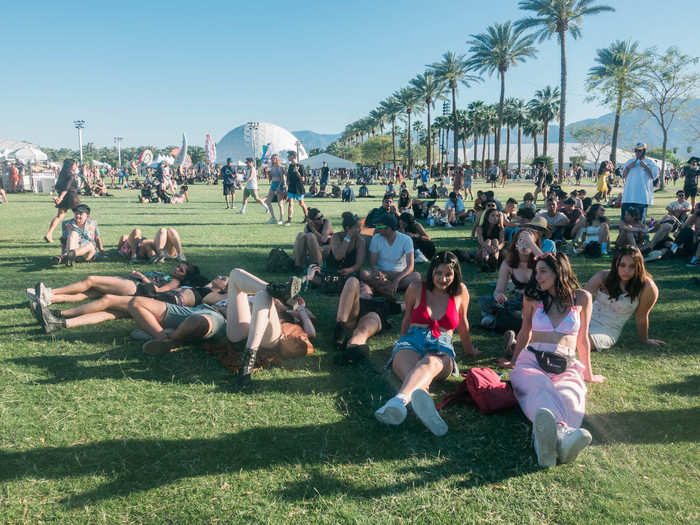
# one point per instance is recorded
(418, 373)
(87, 250)
(349, 311)
(290, 208)
(93, 284)
(54, 222)
(168, 239)
(307, 244)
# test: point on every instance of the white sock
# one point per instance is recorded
(403, 398)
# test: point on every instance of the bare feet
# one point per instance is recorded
(505, 363)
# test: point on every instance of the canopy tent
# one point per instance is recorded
(100, 164)
(21, 151)
(333, 162)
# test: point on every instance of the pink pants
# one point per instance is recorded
(563, 394)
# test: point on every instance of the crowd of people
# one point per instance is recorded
(550, 323)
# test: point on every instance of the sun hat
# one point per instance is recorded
(538, 222)
(640, 145)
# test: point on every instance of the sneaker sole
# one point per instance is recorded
(294, 287)
(572, 451)
(424, 408)
(546, 437)
(390, 415)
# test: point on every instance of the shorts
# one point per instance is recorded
(125, 250)
(690, 190)
(274, 186)
(229, 189)
(174, 315)
(421, 340)
(295, 196)
(70, 201)
(248, 192)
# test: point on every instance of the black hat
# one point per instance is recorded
(693, 159)
(387, 220)
(82, 208)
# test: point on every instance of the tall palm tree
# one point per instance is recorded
(429, 89)
(475, 112)
(392, 109)
(378, 117)
(489, 117)
(545, 107)
(516, 106)
(453, 70)
(618, 65)
(509, 120)
(501, 47)
(556, 17)
(531, 128)
(409, 100)
(465, 130)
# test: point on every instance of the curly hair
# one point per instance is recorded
(451, 260)
(565, 282)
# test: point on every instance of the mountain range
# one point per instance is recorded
(312, 140)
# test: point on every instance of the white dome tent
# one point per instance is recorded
(251, 138)
(332, 161)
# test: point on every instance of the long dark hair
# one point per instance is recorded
(634, 287)
(603, 167)
(513, 255)
(67, 168)
(449, 258)
(487, 226)
(592, 212)
(565, 282)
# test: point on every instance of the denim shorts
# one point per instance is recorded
(174, 315)
(274, 186)
(421, 340)
(295, 196)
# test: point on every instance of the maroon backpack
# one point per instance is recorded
(484, 388)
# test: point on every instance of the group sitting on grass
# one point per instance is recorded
(550, 322)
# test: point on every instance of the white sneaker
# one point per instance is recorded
(180, 257)
(544, 430)
(241, 211)
(419, 257)
(267, 210)
(31, 294)
(487, 320)
(571, 441)
(424, 408)
(272, 220)
(392, 413)
(280, 222)
(448, 225)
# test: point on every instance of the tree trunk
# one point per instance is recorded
(662, 181)
(464, 147)
(455, 138)
(429, 142)
(520, 146)
(483, 153)
(497, 135)
(562, 103)
(393, 139)
(616, 129)
(408, 135)
(476, 148)
(507, 146)
(545, 138)
(534, 141)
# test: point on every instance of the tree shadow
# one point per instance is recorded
(646, 426)
(690, 386)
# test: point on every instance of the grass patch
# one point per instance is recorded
(92, 430)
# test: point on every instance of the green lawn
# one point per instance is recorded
(92, 430)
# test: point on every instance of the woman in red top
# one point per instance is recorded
(424, 352)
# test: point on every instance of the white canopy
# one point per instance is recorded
(29, 154)
(333, 162)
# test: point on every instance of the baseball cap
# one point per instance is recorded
(640, 145)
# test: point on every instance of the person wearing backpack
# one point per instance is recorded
(553, 362)
(435, 308)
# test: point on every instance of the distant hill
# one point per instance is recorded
(311, 139)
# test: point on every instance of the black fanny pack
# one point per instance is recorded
(550, 362)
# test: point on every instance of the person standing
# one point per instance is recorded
(67, 199)
(691, 173)
(228, 176)
(325, 176)
(14, 179)
(639, 174)
(295, 186)
(278, 189)
(251, 186)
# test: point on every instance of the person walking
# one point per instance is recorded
(639, 174)
(67, 199)
(690, 185)
(251, 186)
(295, 186)
(228, 175)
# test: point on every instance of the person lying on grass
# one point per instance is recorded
(548, 379)
(165, 244)
(424, 352)
(110, 306)
(363, 316)
(623, 290)
(136, 283)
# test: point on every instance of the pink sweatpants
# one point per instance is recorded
(563, 394)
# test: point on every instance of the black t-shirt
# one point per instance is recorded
(325, 173)
(228, 175)
(295, 179)
(691, 176)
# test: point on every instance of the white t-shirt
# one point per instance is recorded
(639, 187)
(459, 206)
(677, 206)
(559, 219)
(252, 178)
(392, 258)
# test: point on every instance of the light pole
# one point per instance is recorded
(79, 125)
(251, 134)
(297, 144)
(118, 141)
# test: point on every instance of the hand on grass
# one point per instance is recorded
(655, 342)
(595, 378)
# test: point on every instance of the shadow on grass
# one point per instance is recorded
(689, 387)
(646, 426)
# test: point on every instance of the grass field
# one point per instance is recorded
(94, 431)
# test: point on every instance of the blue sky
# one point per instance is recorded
(149, 70)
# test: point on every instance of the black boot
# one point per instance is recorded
(247, 365)
(338, 333)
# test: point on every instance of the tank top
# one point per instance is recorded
(448, 321)
(611, 315)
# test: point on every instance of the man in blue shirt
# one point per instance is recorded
(228, 174)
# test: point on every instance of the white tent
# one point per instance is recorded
(333, 162)
(29, 154)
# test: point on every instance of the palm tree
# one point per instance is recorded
(545, 107)
(531, 128)
(465, 126)
(501, 47)
(392, 109)
(516, 106)
(429, 89)
(618, 64)
(556, 17)
(475, 111)
(510, 121)
(453, 70)
(408, 99)
(489, 117)
(378, 117)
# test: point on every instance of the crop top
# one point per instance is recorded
(449, 321)
(568, 326)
